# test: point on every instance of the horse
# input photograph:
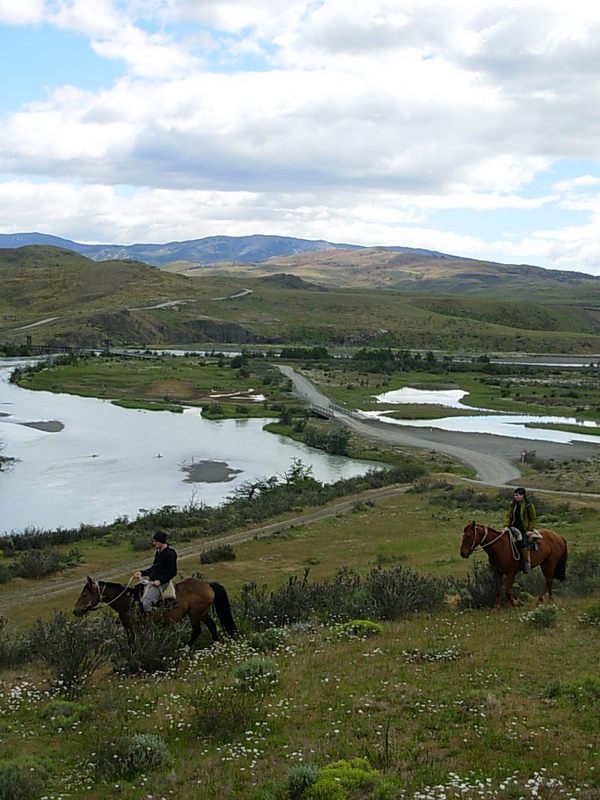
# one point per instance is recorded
(194, 599)
(551, 557)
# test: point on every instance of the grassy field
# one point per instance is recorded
(442, 704)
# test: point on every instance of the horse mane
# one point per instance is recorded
(117, 586)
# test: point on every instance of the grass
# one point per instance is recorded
(439, 704)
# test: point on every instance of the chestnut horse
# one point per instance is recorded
(194, 599)
(504, 557)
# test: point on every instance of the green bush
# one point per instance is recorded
(543, 617)
(37, 563)
(21, 779)
(300, 778)
(133, 754)
(399, 591)
(15, 648)
(64, 713)
(72, 649)
(358, 629)
(151, 645)
(592, 617)
(139, 540)
(343, 780)
(266, 641)
(583, 572)
(478, 589)
(257, 673)
(220, 552)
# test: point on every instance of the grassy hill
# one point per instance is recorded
(57, 296)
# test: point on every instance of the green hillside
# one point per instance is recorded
(56, 296)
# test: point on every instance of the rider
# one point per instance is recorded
(521, 515)
(163, 570)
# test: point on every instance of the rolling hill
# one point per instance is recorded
(427, 301)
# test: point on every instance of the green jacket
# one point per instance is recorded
(528, 515)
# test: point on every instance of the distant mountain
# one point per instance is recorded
(210, 250)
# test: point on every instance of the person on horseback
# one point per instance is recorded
(521, 515)
(162, 571)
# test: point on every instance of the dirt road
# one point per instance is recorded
(494, 458)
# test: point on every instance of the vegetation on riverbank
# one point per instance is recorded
(324, 696)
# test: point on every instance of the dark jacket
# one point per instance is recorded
(521, 515)
(164, 566)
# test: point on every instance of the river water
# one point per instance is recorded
(106, 461)
(520, 426)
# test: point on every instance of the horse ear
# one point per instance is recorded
(89, 580)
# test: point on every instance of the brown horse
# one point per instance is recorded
(504, 558)
(194, 599)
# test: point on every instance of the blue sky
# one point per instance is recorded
(472, 128)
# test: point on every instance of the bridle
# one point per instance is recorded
(101, 602)
(483, 543)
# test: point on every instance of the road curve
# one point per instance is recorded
(479, 451)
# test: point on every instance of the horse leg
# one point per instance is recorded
(510, 579)
(498, 600)
(210, 624)
(547, 587)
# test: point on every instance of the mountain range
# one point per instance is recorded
(209, 250)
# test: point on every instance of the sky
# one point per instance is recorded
(472, 128)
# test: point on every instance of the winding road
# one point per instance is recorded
(493, 458)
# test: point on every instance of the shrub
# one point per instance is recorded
(71, 650)
(21, 779)
(543, 617)
(5, 573)
(256, 673)
(15, 648)
(37, 563)
(132, 755)
(220, 552)
(266, 641)
(583, 572)
(399, 591)
(592, 617)
(299, 779)
(358, 628)
(478, 589)
(64, 713)
(139, 540)
(151, 645)
(344, 779)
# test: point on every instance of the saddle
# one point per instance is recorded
(168, 595)
(531, 539)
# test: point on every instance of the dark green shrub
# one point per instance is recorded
(222, 713)
(64, 713)
(15, 648)
(5, 573)
(399, 591)
(257, 673)
(37, 563)
(478, 589)
(140, 540)
(300, 778)
(21, 779)
(150, 646)
(133, 754)
(583, 572)
(72, 649)
(220, 552)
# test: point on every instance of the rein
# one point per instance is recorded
(483, 544)
(101, 597)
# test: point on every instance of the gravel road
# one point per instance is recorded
(494, 458)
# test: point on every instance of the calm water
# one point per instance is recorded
(105, 462)
(514, 425)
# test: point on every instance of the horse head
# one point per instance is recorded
(469, 540)
(88, 599)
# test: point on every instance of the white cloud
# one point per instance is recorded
(356, 122)
(21, 12)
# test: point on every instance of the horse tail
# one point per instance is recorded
(223, 608)
(560, 570)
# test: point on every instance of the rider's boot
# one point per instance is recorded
(526, 560)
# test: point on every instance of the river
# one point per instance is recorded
(84, 460)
